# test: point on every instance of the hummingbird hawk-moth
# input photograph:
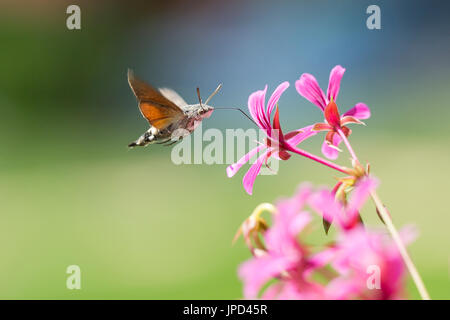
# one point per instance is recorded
(169, 116)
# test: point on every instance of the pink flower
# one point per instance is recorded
(368, 263)
(308, 87)
(346, 215)
(369, 266)
(285, 257)
(296, 287)
(276, 143)
(361, 264)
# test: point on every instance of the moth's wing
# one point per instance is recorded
(173, 96)
(158, 116)
(159, 111)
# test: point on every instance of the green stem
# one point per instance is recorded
(393, 231)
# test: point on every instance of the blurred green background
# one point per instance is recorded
(141, 227)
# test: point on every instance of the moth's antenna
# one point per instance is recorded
(239, 109)
(199, 97)
(214, 93)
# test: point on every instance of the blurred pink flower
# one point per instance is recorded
(296, 287)
(285, 257)
(361, 264)
(369, 266)
(308, 87)
(358, 252)
(346, 215)
(276, 142)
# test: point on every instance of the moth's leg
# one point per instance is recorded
(164, 141)
(174, 141)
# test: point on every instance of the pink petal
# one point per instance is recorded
(234, 168)
(272, 292)
(253, 106)
(319, 260)
(282, 237)
(275, 97)
(359, 111)
(299, 223)
(250, 176)
(329, 152)
(293, 290)
(335, 82)
(303, 193)
(257, 271)
(344, 289)
(305, 134)
(308, 87)
(360, 195)
(324, 203)
(256, 107)
(262, 110)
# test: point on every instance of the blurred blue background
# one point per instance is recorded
(142, 227)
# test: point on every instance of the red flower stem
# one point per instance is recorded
(393, 231)
(317, 159)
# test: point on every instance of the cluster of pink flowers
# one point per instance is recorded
(360, 263)
(279, 145)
